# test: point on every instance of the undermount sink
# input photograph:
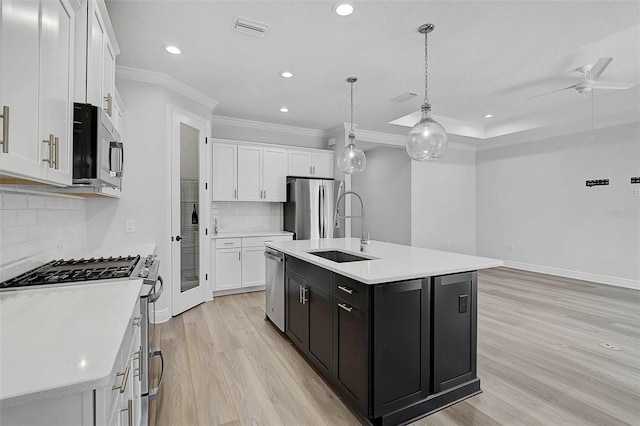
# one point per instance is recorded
(339, 256)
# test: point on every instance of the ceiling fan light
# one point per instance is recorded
(427, 140)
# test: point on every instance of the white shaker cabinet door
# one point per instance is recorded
(109, 77)
(228, 269)
(322, 164)
(300, 163)
(20, 153)
(56, 65)
(274, 174)
(250, 173)
(253, 266)
(224, 185)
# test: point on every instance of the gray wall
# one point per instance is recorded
(268, 134)
(385, 187)
(534, 196)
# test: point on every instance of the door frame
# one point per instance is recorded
(180, 301)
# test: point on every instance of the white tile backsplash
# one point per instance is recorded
(247, 216)
(35, 226)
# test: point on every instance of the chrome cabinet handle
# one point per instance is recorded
(5, 129)
(300, 294)
(51, 142)
(137, 321)
(129, 409)
(235, 194)
(314, 170)
(345, 289)
(228, 244)
(310, 170)
(239, 259)
(153, 393)
(56, 145)
(123, 385)
(109, 100)
(345, 307)
(305, 299)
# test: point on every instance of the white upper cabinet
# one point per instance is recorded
(311, 163)
(274, 174)
(96, 62)
(36, 77)
(262, 173)
(225, 185)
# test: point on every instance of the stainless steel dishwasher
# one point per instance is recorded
(274, 309)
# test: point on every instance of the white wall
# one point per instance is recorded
(146, 195)
(443, 202)
(534, 196)
(36, 227)
(385, 187)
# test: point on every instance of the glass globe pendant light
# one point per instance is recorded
(427, 140)
(352, 160)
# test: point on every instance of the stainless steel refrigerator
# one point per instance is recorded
(310, 208)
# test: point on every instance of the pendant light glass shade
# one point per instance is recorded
(427, 140)
(352, 160)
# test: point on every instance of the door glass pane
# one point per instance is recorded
(189, 208)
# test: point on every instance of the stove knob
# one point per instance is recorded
(144, 272)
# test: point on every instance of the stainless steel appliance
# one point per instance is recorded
(98, 153)
(308, 212)
(85, 271)
(275, 286)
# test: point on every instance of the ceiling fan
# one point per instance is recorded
(591, 73)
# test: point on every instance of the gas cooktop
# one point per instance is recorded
(75, 271)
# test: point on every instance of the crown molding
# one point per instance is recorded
(167, 81)
(240, 122)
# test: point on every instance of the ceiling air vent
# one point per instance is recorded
(249, 26)
(404, 97)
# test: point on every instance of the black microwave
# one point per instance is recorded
(98, 154)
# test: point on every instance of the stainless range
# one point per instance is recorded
(85, 271)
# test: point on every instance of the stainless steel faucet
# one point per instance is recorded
(337, 218)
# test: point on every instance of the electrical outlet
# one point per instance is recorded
(129, 225)
(512, 246)
(636, 192)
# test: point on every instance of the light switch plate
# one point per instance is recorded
(129, 225)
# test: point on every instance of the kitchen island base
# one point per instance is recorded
(394, 351)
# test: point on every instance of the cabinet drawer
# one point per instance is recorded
(260, 241)
(223, 243)
(318, 276)
(354, 292)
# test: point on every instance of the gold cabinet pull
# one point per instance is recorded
(138, 371)
(51, 142)
(56, 150)
(5, 129)
(129, 410)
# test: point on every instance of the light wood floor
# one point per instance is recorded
(539, 360)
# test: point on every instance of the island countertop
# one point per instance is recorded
(388, 262)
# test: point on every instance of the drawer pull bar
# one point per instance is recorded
(345, 289)
(5, 129)
(123, 386)
(345, 307)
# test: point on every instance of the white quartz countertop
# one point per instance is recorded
(249, 234)
(61, 340)
(390, 262)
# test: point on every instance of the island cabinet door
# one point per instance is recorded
(401, 351)
(351, 370)
(297, 318)
(454, 330)
(320, 328)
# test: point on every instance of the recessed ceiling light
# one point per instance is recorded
(283, 109)
(488, 116)
(173, 50)
(287, 74)
(343, 9)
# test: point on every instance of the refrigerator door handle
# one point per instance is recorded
(324, 213)
(320, 212)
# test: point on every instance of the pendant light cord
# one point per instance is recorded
(426, 69)
(351, 107)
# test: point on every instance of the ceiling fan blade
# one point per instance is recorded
(554, 91)
(598, 68)
(612, 86)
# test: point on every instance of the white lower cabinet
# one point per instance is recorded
(119, 402)
(239, 263)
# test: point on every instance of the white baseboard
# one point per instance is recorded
(238, 291)
(163, 315)
(586, 276)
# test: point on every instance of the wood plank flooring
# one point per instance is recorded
(539, 360)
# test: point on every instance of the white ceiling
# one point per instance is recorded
(484, 57)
